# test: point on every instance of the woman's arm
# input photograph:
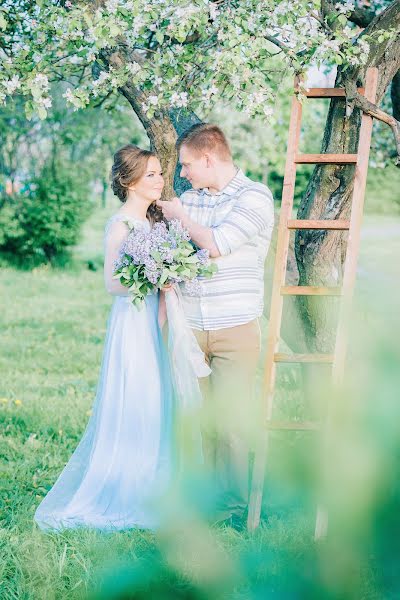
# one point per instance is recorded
(116, 236)
(162, 306)
(162, 310)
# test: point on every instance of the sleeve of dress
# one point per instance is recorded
(114, 237)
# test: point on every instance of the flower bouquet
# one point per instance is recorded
(164, 255)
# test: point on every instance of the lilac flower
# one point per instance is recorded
(177, 230)
(163, 252)
(203, 256)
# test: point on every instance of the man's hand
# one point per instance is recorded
(172, 209)
(200, 235)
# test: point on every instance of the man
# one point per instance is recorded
(232, 217)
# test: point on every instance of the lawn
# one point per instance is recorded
(52, 331)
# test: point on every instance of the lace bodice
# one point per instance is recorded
(115, 233)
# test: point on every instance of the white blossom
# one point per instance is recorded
(179, 100)
(68, 95)
(42, 81)
(345, 7)
(112, 6)
(214, 12)
(46, 102)
(12, 84)
(364, 46)
(133, 68)
(101, 79)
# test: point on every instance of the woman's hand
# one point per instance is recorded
(167, 288)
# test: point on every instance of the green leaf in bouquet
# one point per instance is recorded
(186, 251)
(138, 301)
(164, 276)
(156, 255)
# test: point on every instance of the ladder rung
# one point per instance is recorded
(333, 159)
(293, 426)
(329, 92)
(303, 358)
(315, 224)
(310, 290)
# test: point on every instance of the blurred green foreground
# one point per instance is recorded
(52, 330)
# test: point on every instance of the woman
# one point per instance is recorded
(124, 460)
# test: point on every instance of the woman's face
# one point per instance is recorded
(151, 184)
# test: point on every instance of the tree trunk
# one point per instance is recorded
(320, 254)
(162, 130)
(162, 136)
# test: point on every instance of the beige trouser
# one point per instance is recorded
(229, 416)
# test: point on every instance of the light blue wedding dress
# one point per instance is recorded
(126, 457)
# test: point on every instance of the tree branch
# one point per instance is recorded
(276, 42)
(395, 95)
(374, 111)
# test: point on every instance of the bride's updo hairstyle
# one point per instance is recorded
(130, 164)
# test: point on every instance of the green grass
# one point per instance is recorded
(53, 324)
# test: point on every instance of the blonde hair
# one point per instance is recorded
(206, 136)
(130, 164)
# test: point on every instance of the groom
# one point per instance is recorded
(231, 216)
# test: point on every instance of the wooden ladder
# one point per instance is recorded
(279, 289)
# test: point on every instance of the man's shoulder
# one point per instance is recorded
(251, 188)
(188, 196)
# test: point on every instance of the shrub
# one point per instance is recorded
(42, 224)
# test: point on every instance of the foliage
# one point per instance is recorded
(41, 224)
(178, 53)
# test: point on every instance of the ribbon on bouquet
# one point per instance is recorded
(187, 365)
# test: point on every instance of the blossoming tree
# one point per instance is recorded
(170, 57)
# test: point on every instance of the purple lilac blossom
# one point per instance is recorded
(154, 250)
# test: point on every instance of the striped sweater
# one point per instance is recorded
(241, 217)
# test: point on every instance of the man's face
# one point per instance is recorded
(195, 167)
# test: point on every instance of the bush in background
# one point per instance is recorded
(41, 225)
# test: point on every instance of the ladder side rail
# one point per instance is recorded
(275, 312)
(350, 265)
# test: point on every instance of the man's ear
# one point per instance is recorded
(209, 160)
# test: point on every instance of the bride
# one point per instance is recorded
(126, 457)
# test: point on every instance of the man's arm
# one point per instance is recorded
(252, 213)
(201, 235)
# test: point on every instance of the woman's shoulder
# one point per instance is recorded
(115, 218)
(130, 222)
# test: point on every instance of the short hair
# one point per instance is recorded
(206, 136)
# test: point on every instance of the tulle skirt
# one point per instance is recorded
(124, 460)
